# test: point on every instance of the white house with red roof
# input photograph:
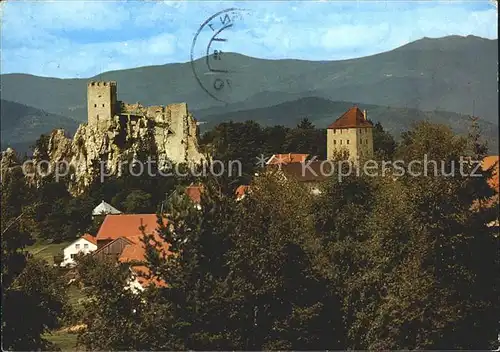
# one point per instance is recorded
(120, 237)
(85, 244)
(125, 225)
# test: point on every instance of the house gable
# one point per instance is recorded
(83, 245)
(82, 241)
(113, 249)
(104, 209)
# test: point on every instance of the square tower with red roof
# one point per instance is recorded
(351, 132)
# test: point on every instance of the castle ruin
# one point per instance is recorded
(116, 132)
(174, 129)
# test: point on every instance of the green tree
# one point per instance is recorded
(41, 148)
(37, 295)
(197, 268)
(423, 280)
(30, 288)
(223, 298)
(138, 201)
(52, 220)
(138, 191)
(280, 298)
(231, 141)
(79, 214)
(275, 138)
(306, 140)
(384, 144)
(305, 124)
(15, 194)
(117, 319)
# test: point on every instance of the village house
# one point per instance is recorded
(120, 238)
(351, 135)
(85, 244)
(280, 159)
(120, 234)
(134, 254)
(123, 226)
(104, 209)
(311, 176)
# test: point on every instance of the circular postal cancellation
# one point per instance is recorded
(214, 64)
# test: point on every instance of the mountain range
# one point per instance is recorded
(440, 79)
(22, 125)
(322, 112)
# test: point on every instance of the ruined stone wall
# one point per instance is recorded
(116, 131)
(174, 128)
(175, 138)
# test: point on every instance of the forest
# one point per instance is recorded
(371, 263)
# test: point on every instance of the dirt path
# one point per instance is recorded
(39, 250)
(74, 328)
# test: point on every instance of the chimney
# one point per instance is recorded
(364, 114)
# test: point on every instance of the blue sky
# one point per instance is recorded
(83, 38)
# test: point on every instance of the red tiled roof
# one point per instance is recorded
(287, 158)
(141, 271)
(488, 162)
(126, 225)
(194, 193)
(352, 118)
(90, 238)
(313, 173)
(136, 252)
(241, 191)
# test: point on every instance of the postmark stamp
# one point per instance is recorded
(211, 62)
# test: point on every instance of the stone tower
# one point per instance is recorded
(101, 103)
(353, 133)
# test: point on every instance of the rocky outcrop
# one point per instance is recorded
(171, 136)
(8, 158)
(7, 162)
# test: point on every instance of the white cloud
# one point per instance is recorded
(80, 39)
(71, 60)
(49, 15)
